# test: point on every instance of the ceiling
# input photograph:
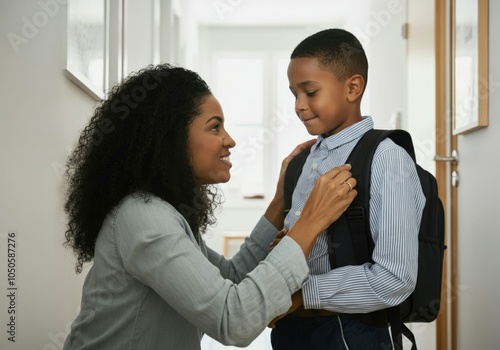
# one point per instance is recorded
(326, 13)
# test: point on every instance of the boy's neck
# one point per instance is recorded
(348, 123)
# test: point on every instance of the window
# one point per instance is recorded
(259, 110)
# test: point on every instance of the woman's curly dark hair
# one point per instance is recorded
(136, 141)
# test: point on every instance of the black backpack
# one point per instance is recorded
(350, 241)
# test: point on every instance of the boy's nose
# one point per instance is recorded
(300, 106)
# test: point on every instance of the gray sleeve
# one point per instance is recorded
(254, 249)
(152, 240)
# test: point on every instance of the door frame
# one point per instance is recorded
(446, 323)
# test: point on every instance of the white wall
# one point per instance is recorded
(381, 36)
(478, 239)
(41, 113)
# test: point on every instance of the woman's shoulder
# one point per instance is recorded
(144, 214)
(138, 203)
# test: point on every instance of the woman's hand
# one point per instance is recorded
(277, 239)
(274, 212)
(280, 188)
(331, 195)
(296, 303)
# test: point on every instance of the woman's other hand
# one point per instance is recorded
(280, 189)
(277, 239)
(274, 212)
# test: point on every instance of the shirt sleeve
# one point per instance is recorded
(154, 243)
(254, 249)
(396, 206)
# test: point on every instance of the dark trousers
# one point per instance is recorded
(338, 332)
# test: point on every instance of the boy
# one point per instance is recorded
(327, 75)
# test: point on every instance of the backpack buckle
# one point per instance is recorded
(356, 214)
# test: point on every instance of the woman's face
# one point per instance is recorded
(209, 144)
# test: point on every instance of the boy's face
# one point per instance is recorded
(322, 102)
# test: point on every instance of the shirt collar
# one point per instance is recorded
(349, 134)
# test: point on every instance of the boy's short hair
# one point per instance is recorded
(337, 50)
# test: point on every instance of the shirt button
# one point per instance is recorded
(315, 166)
(297, 212)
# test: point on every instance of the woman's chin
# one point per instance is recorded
(226, 179)
(221, 178)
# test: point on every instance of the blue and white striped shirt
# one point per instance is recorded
(396, 204)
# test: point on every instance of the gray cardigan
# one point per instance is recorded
(152, 286)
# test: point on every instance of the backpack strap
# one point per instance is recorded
(408, 334)
(398, 329)
(292, 174)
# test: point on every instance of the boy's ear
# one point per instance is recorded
(355, 86)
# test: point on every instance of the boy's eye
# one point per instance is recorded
(311, 93)
(216, 127)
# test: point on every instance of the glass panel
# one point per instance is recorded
(289, 130)
(247, 158)
(239, 88)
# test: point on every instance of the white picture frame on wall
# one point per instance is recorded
(87, 46)
(469, 61)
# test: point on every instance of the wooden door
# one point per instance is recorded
(446, 142)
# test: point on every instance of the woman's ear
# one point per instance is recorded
(355, 87)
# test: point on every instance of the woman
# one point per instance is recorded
(140, 196)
